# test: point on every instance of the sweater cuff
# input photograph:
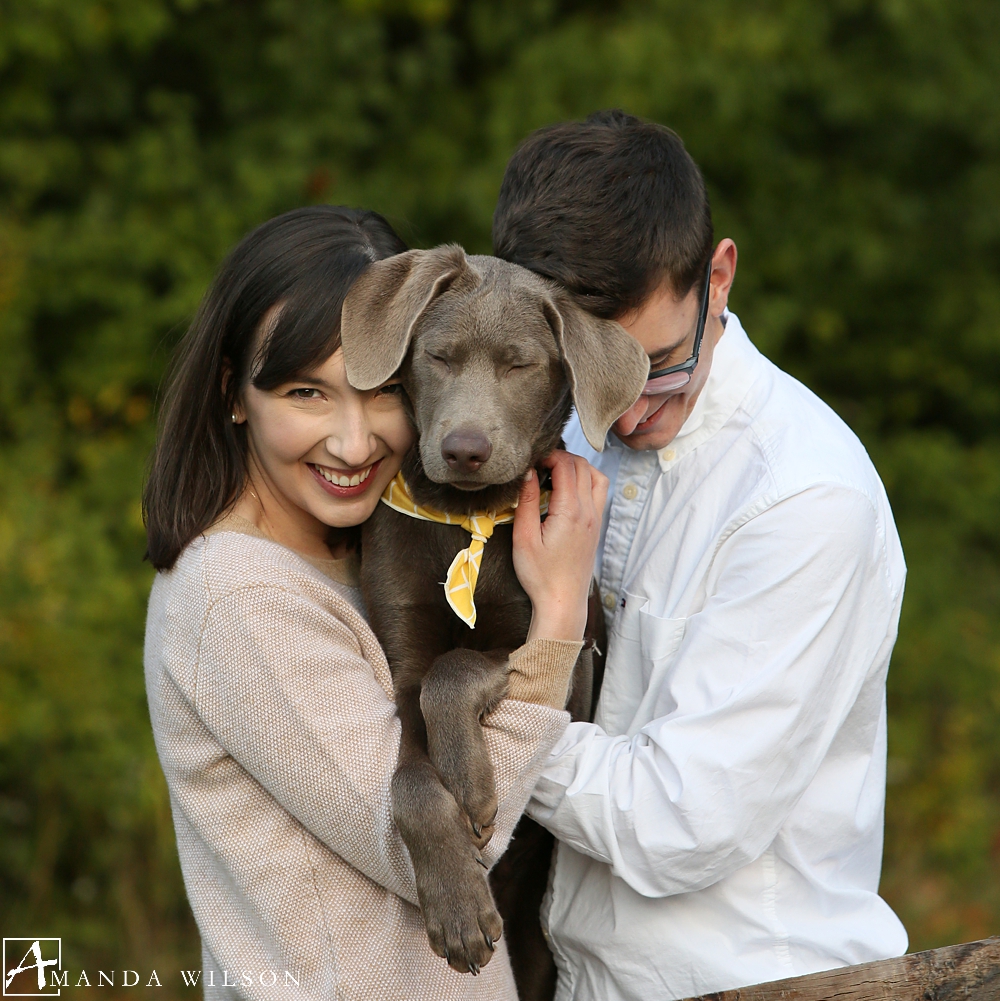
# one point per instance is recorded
(540, 671)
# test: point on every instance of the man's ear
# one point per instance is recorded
(606, 367)
(383, 307)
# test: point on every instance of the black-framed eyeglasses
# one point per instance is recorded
(669, 380)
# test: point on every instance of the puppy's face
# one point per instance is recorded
(487, 384)
(492, 358)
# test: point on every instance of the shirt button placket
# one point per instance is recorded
(634, 473)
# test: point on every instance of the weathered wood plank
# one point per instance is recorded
(969, 972)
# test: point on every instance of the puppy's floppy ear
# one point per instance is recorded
(606, 367)
(383, 307)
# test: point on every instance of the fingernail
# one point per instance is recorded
(528, 475)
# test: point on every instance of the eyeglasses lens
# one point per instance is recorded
(666, 384)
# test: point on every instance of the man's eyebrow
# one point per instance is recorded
(663, 353)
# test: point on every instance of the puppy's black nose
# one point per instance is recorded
(465, 451)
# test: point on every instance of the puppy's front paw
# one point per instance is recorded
(462, 921)
(481, 832)
(467, 773)
(479, 801)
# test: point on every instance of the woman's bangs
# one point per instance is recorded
(307, 331)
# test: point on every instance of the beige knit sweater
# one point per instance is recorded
(271, 704)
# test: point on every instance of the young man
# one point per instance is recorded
(720, 824)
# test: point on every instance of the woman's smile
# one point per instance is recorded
(351, 443)
(343, 482)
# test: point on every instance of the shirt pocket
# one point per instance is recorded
(640, 657)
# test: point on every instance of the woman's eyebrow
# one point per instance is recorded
(309, 380)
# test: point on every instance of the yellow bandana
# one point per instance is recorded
(460, 585)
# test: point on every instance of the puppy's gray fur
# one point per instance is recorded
(488, 353)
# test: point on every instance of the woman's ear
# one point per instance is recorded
(606, 367)
(237, 416)
(383, 306)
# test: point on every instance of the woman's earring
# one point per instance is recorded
(234, 418)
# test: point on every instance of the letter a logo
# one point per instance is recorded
(36, 973)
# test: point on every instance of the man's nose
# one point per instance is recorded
(636, 413)
(465, 451)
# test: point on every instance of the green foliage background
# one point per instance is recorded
(852, 149)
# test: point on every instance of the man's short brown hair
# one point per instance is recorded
(611, 208)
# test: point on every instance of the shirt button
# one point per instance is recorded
(609, 600)
(630, 490)
(669, 455)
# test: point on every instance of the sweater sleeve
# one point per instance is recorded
(540, 671)
(284, 686)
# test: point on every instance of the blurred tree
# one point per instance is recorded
(851, 149)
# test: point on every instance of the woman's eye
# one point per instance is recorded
(390, 389)
(305, 393)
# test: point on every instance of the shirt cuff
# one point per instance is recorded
(540, 671)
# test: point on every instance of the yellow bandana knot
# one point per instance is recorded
(460, 585)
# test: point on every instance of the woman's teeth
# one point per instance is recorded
(340, 480)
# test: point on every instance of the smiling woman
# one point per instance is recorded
(258, 406)
(270, 697)
(320, 454)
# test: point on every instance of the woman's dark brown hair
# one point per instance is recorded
(307, 260)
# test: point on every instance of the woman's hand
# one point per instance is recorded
(554, 559)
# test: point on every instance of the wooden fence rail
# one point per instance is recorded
(969, 972)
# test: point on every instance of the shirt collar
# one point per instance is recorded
(735, 366)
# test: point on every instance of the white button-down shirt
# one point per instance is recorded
(721, 822)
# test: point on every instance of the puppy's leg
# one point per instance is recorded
(460, 688)
(518, 882)
(461, 919)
